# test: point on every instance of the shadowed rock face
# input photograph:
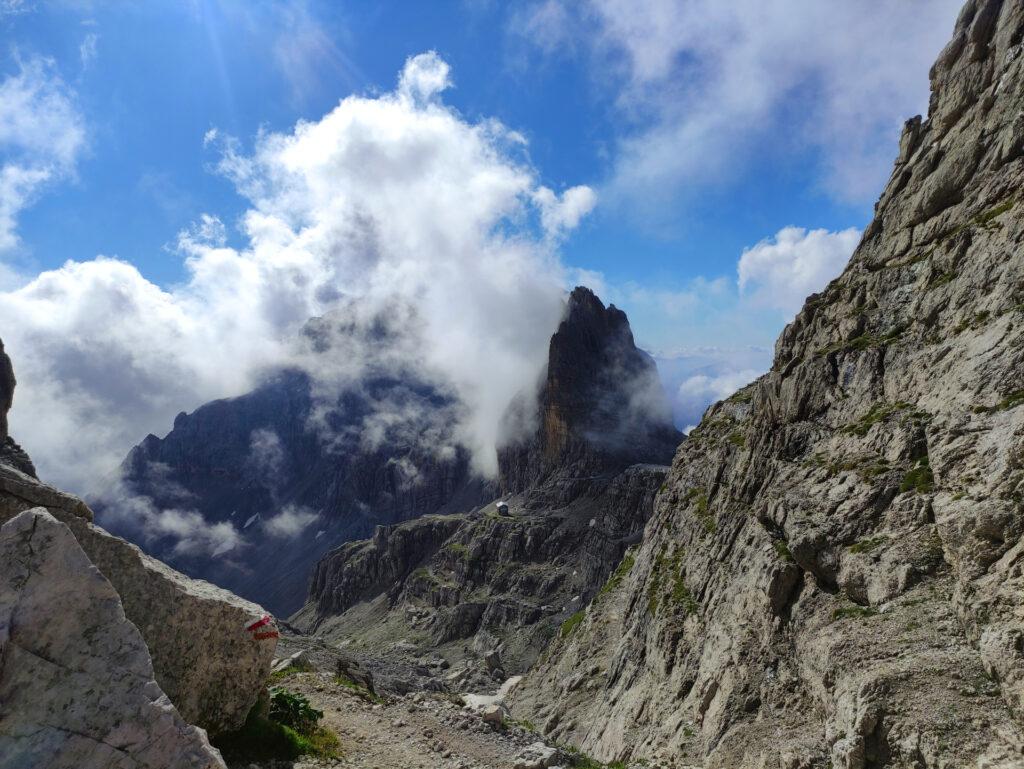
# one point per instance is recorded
(7, 383)
(10, 452)
(832, 575)
(283, 447)
(580, 498)
(77, 688)
(601, 406)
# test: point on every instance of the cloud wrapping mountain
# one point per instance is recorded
(396, 201)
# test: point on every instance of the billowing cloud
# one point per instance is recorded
(712, 336)
(705, 87)
(562, 213)
(781, 271)
(695, 393)
(42, 135)
(290, 522)
(394, 204)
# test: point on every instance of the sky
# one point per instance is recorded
(183, 184)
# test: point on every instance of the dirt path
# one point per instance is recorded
(424, 730)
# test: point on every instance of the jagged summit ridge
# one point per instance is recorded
(600, 408)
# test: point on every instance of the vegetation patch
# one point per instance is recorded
(357, 688)
(682, 597)
(782, 550)
(280, 675)
(738, 439)
(665, 569)
(570, 625)
(458, 549)
(919, 479)
(854, 611)
(624, 567)
(868, 544)
(289, 730)
(1012, 400)
(878, 413)
(863, 342)
(984, 219)
(939, 279)
(699, 500)
(579, 760)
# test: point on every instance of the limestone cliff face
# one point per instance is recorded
(584, 483)
(832, 575)
(77, 688)
(600, 407)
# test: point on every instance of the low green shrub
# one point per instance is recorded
(570, 625)
(293, 710)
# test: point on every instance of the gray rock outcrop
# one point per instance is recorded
(832, 575)
(205, 660)
(10, 452)
(77, 688)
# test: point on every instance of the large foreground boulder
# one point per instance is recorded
(77, 688)
(210, 665)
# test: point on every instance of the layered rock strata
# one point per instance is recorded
(832, 574)
(77, 688)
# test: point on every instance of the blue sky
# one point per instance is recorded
(729, 154)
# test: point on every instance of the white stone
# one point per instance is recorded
(77, 688)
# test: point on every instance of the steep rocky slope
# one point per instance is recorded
(832, 576)
(206, 661)
(583, 488)
(77, 688)
(333, 464)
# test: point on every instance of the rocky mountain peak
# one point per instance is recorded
(600, 408)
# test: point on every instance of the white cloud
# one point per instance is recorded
(712, 336)
(561, 213)
(781, 271)
(696, 392)
(400, 203)
(13, 7)
(87, 49)
(424, 77)
(42, 135)
(290, 522)
(704, 88)
(190, 533)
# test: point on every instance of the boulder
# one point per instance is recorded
(536, 756)
(493, 714)
(77, 688)
(206, 660)
(299, 661)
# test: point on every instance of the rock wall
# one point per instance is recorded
(77, 688)
(212, 669)
(832, 574)
(10, 452)
(600, 408)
